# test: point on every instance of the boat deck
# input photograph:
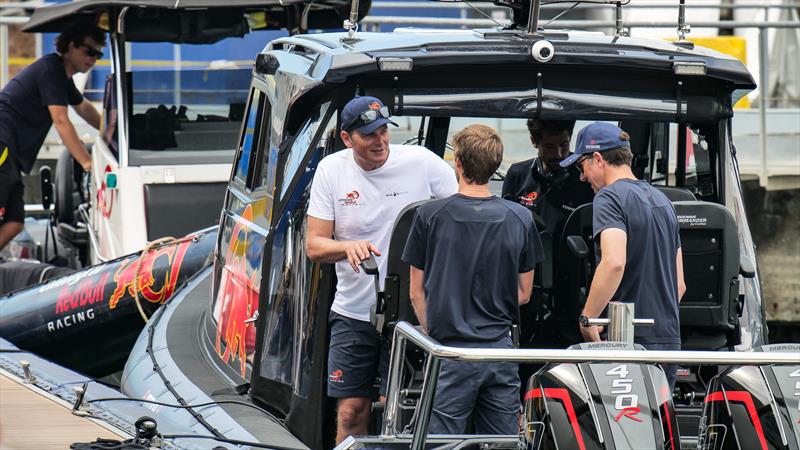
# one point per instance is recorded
(30, 418)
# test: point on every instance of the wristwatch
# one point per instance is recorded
(583, 320)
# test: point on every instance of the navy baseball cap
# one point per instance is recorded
(597, 137)
(365, 115)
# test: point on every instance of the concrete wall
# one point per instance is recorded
(774, 218)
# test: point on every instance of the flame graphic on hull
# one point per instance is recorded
(237, 301)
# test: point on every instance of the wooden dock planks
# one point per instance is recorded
(30, 419)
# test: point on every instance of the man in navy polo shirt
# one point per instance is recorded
(472, 257)
(635, 231)
(34, 100)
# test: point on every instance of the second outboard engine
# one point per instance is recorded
(753, 407)
(599, 406)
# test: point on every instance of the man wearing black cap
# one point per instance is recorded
(34, 100)
(635, 231)
(356, 196)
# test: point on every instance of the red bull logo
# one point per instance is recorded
(87, 293)
(374, 106)
(529, 199)
(135, 275)
(237, 301)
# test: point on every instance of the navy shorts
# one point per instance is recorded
(358, 358)
(12, 205)
(488, 392)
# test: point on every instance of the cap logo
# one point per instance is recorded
(592, 141)
(374, 106)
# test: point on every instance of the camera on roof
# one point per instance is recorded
(543, 51)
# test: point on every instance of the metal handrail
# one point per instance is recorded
(83, 210)
(692, 5)
(405, 332)
(13, 20)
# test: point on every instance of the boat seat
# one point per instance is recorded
(397, 302)
(676, 194)
(710, 309)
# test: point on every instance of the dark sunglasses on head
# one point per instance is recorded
(92, 52)
(367, 117)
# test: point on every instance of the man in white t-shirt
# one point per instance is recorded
(356, 196)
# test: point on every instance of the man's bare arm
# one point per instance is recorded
(607, 277)
(525, 287)
(89, 113)
(416, 291)
(321, 247)
(66, 130)
(681, 282)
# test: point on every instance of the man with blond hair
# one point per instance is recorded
(472, 257)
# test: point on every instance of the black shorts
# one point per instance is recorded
(358, 357)
(12, 205)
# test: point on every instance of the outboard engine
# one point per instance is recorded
(599, 406)
(753, 407)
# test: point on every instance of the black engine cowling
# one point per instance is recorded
(753, 407)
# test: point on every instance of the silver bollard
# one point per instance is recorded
(620, 322)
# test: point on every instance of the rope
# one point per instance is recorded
(147, 248)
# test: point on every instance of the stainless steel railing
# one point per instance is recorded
(405, 332)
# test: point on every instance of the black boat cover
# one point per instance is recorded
(195, 21)
(16, 275)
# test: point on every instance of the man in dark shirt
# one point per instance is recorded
(472, 257)
(34, 100)
(549, 190)
(551, 193)
(636, 239)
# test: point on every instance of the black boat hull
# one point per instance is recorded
(88, 321)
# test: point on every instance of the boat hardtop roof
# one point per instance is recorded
(449, 47)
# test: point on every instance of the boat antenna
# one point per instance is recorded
(683, 27)
(533, 17)
(618, 13)
(351, 24)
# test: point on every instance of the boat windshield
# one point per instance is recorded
(188, 112)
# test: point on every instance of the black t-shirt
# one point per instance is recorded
(552, 196)
(650, 278)
(24, 117)
(472, 251)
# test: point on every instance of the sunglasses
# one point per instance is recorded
(579, 162)
(92, 52)
(367, 117)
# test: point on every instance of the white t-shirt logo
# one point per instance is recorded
(350, 199)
